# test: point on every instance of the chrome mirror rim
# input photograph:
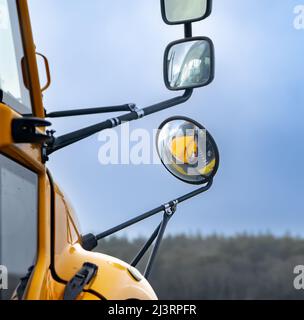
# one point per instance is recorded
(212, 58)
(206, 15)
(215, 147)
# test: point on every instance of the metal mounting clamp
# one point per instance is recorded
(115, 122)
(170, 209)
(140, 112)
(24, 130)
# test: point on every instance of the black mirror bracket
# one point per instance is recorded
(57, 143)
(24, 130)
(169, 211)
(140, 112)
(188, 30)
(135, 113)
(170, 208)
(90, 241)
(44, 148)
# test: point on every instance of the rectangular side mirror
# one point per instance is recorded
(185, 11)
(189, 63)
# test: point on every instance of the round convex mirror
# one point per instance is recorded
(187, 150)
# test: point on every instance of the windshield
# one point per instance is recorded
(11, 54)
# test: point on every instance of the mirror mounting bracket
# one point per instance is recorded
(90, 241)
(188, 30)
(90, 111)
(24, 130)
(58, 143)
(140, 112)
(170, 208)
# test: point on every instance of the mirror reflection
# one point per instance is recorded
(189, 65)
(187, 150)
(182, 11)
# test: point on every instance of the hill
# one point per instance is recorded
(240, 267)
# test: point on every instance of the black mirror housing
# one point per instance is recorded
(189, 63)
(175, 12)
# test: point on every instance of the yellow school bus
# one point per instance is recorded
(43, 254)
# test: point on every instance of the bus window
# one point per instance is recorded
(18, 222)
(12, 86)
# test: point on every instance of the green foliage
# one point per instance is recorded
(240, 267)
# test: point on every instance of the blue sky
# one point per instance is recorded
(111, 52)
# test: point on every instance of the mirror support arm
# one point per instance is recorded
(153, 212)
(188, 30)
(146, 247)
(168, 209)
(76, 136)
(159, 239)
(90, 111)
(129, 223)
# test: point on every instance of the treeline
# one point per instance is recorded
(240, 267)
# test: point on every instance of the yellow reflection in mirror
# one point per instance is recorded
(184, 149)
